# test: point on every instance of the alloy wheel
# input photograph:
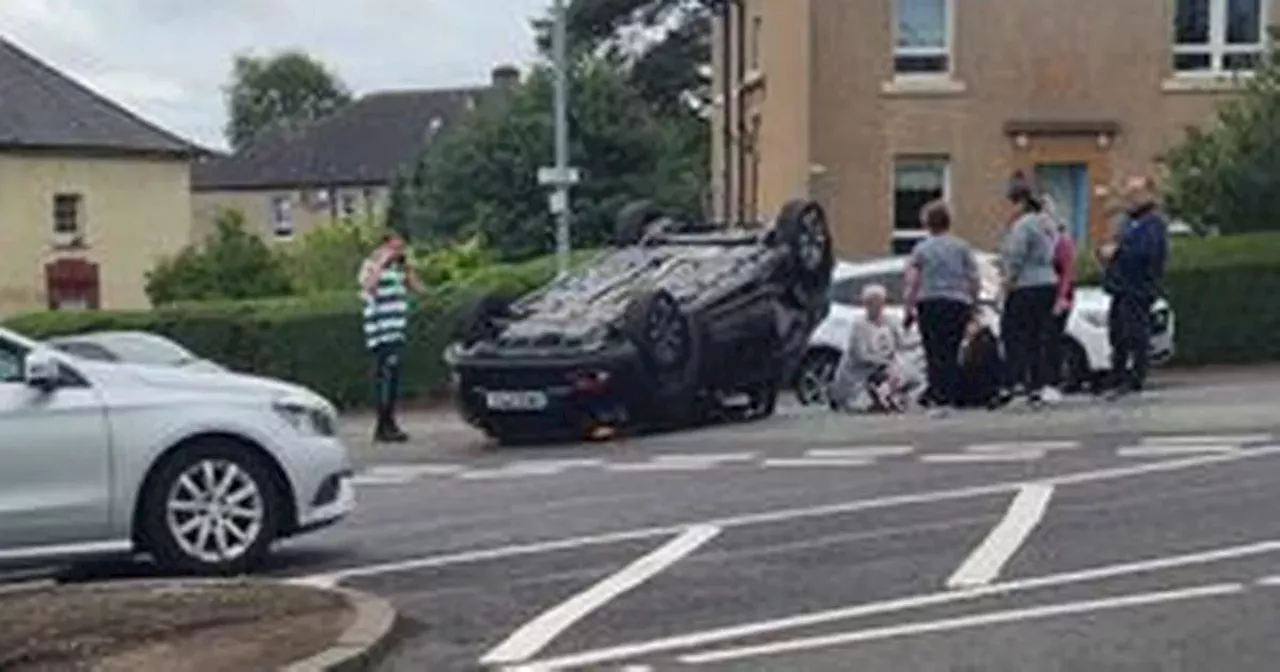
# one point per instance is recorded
(215, 511)
(814, 381)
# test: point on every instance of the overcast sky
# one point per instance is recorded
(169, 59)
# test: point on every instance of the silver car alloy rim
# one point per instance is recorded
(215, 511)
(814, 381)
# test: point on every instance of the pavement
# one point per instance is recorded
(1131, 536)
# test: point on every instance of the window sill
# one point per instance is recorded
(1205, 82)
(923, 85)
(68, 243)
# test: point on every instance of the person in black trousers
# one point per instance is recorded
(941, 291)
(1133, 277)
(1031, 283)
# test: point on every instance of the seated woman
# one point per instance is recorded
(868, 364)
(981, 367)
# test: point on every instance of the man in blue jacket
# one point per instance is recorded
(1133, 278)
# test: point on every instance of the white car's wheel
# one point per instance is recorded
(813, 379)
(214, 508)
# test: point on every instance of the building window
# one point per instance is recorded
(282, 216)
(922, 37)
(757, 24)
(1218, 36)
(67, 212)
(916, 181)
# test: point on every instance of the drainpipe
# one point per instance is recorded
(726, 59)
(740, 85)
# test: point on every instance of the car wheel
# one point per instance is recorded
(762, 401)
(803, 229)
(213, 508)
(814, 377)
(633, 221)
(1076, 372)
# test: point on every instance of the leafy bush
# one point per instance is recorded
(315, 340)
(327, 258)
(1227, 173)
(230, 264)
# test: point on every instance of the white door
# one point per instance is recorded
(54, 462)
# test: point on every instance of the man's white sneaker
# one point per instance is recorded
(1050, 395)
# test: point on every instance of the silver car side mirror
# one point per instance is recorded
(41, 370)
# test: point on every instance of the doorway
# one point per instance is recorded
(1067, 184)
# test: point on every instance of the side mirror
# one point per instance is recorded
(41, 370)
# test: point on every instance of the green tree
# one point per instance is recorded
(481, 179)
(231, 264)
(327, 258)
(668, 68)
(283, 90)
(1227, 174)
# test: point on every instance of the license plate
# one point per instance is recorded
(515, 401)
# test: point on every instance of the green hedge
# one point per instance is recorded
(316, 340)
(1223, 290)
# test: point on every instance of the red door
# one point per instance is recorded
(72, 284)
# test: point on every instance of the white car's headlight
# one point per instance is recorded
(307, 419)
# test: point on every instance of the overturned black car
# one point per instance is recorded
(675, 327)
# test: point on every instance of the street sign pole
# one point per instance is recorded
(561, 199)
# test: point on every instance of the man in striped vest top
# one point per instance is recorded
(385, 280)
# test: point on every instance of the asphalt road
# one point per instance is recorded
(987, 542)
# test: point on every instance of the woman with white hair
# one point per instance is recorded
(874, 343)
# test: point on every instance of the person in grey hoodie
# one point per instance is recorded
(1030, 284)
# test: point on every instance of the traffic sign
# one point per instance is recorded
(555, 177)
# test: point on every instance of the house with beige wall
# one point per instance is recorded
(294, 180)
(91, 196)
(876, 106)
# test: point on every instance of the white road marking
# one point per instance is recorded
(818, 462)
(979, 458)
(985, 562)
(627, 467)
(363, 480)
(970, 621)
(862, 451)
(705, 637)
(567, 463)
(782, 515)
(424, 469)
(705, 457)
(1158, 450)
(1022, 446)
(511, 472)
(532, 637)
(1234, 439)
(1269, 581)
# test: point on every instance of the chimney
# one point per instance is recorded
(505, 77)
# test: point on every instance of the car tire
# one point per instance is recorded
(189, 528)
(803, 229)
(633, 221)
(1076, 373)
(814, 376)
(670, 345)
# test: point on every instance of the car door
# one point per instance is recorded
(54, 461)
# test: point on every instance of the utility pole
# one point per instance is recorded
(560, 177)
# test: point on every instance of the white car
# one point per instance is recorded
(1086, 354)
(201, 471)
(133, 347)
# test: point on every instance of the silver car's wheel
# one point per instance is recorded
(213, 507)
(215, 511)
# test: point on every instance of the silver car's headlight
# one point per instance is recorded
(307, 419)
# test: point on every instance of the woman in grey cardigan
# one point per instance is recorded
(1030, 284)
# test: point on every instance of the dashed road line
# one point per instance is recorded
(817, 462)
(1176, 449)
(1021, 446)
(862, 451)
(1192, 439)
(983, 458)
(671, 465)
(704, 457)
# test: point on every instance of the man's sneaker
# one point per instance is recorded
(390, 435)
(1051, 395)
(1035, 400)
(938, 412)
